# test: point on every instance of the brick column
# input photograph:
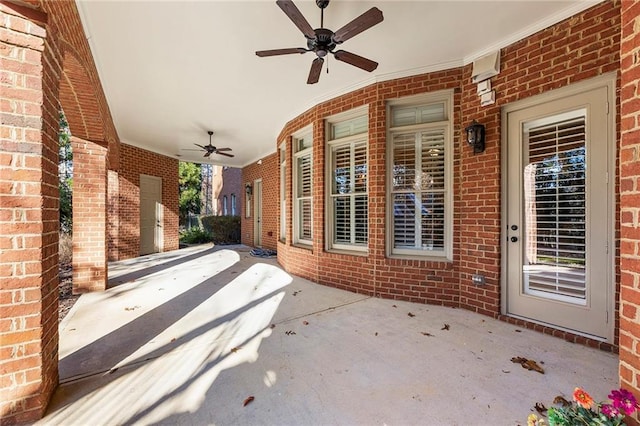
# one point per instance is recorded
(28, 215)
(89, 216)
(630, 200)
(113, 211)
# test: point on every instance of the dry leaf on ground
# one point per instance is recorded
(529, 364)
(248, 401)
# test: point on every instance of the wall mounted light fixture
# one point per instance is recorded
(248, 189)
(475, 136)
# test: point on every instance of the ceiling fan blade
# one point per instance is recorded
(274, 52)
(292, 11)
(199, 146)
(314, 73)
(355, 60)
(225, 154)
(365, 21)
(225, 149)
(206, 154)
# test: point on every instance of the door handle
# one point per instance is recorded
(514, 239)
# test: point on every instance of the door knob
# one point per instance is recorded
(514, 239)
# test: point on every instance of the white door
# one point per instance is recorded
(559, 212)
(257, 217)
(150, 214)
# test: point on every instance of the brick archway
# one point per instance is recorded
(43, 69)
(79, 102)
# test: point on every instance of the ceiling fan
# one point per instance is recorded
(322, 41)
(210, 149)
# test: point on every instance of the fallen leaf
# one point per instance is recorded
(236, 349)
(173, 340)
(411, 315)
(427, 334)
(248, 401)
(561, 401)
(506, 371)
(540, 408)
(305, 322)
(518, 331)
(289, 332)
(131, 309)
(295, 293)
(445, 327)
(528, 364)
(394, 306)
(376, 333)
(272, 326)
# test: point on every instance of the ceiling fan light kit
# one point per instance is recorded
(323, 41)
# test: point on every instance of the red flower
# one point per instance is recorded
(582, 398)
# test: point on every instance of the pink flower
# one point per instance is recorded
(624, 401)
(609, 410)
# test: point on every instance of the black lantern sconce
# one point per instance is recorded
(475, 136)
(248, 189)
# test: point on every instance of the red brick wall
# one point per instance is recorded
(630, 200)
(269, 172)
(231, 185)
(581, 47)
(134, 162)
(578, 48)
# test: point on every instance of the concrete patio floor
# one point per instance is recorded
(187, 337)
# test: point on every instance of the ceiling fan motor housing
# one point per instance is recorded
(323, 43)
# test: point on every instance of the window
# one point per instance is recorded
(224, 206)
(283, 193)
(233, 204)
(348, 172)
(303, 190)
(247, 200)
(419, 153)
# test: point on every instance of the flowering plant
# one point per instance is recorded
(585, 411)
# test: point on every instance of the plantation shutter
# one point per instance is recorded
(555, 208)
(304, 197)
(349, 186)
(418, 187)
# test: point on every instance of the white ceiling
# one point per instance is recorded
(172, 70)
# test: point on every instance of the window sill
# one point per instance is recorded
(359, 253)
(303, 246)
(425, 258)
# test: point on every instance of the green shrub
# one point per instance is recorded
(223, 229)
(195, 236)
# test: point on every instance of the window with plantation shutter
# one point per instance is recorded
(555, 209)
(283, 193)
(303, 191)
(348, 205)
(420, 181)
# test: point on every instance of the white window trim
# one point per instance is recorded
(283, 191)
(331, 144)
(445, 96)
(307, 131)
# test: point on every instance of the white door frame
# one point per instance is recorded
(257, 209)
(606, 80)
(158, 228)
